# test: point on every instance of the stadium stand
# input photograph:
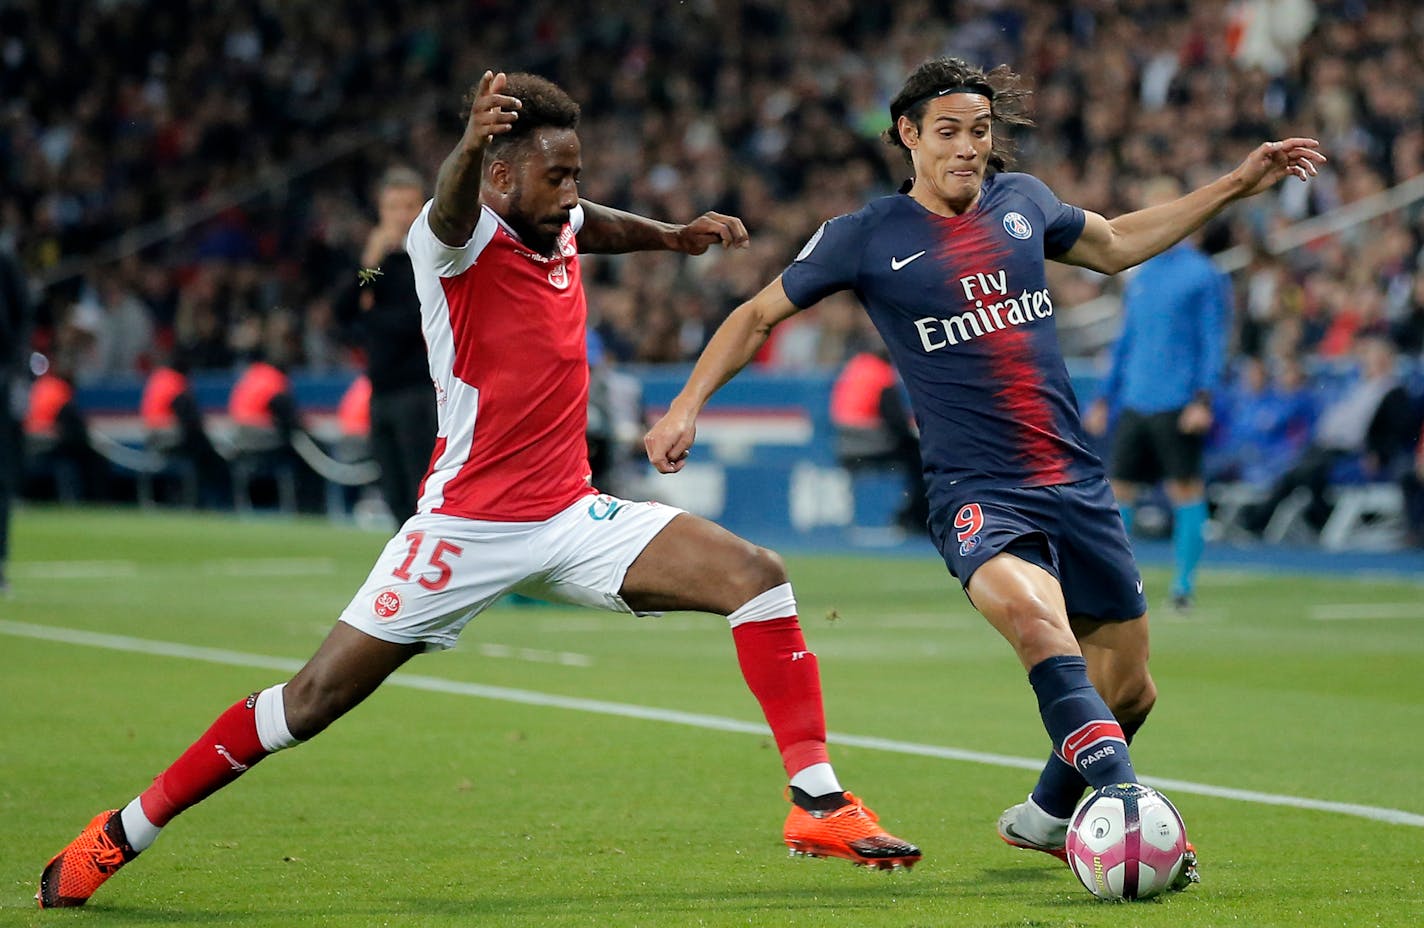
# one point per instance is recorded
(203, 184)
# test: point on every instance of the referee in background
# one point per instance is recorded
(1166, 365)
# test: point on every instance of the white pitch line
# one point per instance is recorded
(1345, 612)
(691, 719)
(534, 655)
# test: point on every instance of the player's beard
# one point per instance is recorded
(532, 232)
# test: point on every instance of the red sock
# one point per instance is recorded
(221, 755)
(784, 678)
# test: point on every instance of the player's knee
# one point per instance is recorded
(760, 570)
(1038, 633)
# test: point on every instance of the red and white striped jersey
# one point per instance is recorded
(504, 330)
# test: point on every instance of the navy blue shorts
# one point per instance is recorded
(1073, 531)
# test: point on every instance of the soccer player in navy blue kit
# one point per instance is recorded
(952, 273)
(1165, 367)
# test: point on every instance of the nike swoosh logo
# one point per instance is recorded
(897, 263)
(1139, 586)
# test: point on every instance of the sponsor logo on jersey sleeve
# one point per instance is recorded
(811, 245)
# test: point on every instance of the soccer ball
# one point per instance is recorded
(1126, 842)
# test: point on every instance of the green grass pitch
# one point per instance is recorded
(453, 808)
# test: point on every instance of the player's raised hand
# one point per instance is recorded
(1272, 161)
(709, 229)
(669, 441)
(493, 112)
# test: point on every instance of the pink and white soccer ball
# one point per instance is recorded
(1126, 842)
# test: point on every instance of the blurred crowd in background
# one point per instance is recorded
(193, 181)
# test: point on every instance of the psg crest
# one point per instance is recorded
(1016, 225)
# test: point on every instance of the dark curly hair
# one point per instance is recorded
(545, 105)
(1008, 101)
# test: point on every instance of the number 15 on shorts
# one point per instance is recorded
(438, 552)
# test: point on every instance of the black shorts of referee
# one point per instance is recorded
(1149, 447)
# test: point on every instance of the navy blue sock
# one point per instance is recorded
(1059, 786)
(1086, 737)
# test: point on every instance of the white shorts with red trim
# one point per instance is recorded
(439, 572)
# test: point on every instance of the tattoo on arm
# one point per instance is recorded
(457, 195)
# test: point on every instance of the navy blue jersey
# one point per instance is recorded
(963, 305)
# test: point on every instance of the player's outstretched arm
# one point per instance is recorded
(457, 186)
(608, 231)
(731, 347)
(1114, 245)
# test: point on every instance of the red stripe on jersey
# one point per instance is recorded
(517, 321)
(1021, 397)
(971, 246)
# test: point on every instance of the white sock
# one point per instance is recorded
(817, 780)
(1040, 827)
(137, 828)
(270, 716)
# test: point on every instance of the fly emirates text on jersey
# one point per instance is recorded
(937, 333)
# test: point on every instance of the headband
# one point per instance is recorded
(979, 87)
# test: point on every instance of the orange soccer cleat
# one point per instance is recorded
(72, 875)
(851, 832)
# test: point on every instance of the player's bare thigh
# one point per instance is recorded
(1025, 604)
(696, 564)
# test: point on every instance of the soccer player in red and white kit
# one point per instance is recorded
(507, 503)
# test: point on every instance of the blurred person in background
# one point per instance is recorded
(383, 313)
(1265, 422)
(1412, 483)
(122, 323)
(615, 421)
(875, 428)
(1366, 429)
(15, 320)
(174, 428)
(57, 448)
(1166, 368)
(261, 403)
